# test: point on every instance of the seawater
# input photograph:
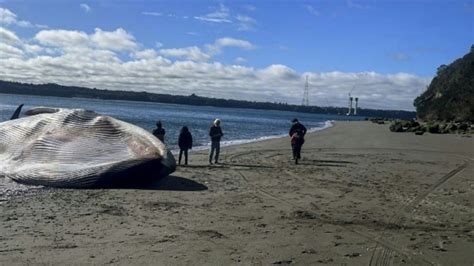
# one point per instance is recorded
(239, 125)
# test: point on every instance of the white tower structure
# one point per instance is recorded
(356, 103)
(350, 105)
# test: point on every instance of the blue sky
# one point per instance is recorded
(261, 50)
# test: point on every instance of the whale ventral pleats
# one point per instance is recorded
(79, 148)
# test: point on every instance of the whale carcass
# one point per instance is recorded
(78, 148)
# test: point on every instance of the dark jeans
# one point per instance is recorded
(215, 146)
(185, 156)
(296, 151)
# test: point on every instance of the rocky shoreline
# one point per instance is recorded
(433, 127)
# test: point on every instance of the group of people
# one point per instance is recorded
(185, 140)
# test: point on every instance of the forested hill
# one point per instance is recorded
(450, 96)
(81, 92)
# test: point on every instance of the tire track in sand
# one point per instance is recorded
(383, 251)
(383, 255)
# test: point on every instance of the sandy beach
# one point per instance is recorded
(360, 196)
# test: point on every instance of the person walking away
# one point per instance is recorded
(185, 142)
(297, 133)
(297, 141)
(159, 132)
(215, 132)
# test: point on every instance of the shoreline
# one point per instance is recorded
(231, 143)
(360, 194)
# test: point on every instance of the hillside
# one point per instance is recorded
(450, 96)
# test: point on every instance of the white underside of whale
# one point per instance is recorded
(79, 148)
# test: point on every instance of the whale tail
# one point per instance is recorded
(16, 114)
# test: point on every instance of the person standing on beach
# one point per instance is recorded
(297, 133)
(185, 142)
(159, 132)
(215, 132)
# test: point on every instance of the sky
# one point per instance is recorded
(383, 52)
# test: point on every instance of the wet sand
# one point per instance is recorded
(360, 196)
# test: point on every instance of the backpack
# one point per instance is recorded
(297, 137)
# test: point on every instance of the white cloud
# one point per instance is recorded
(117, 40)
(82, 62)
(32, 49)
(221, 15)
(7, 17)
(189, 53)
(159, 14)
(155, 14)
(79, 41)
(145, 54)
(278, 73)
(240, 60)
(312, 10)
(246, 23)
(399, 56)
(223, 42)
(158, 44)
(352, 4)
(219, 44)
(8, 37)
(250, 8)
(85, 7)
(8, 51)
(195, 53)
(62, 38)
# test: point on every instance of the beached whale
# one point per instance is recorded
(77, 148)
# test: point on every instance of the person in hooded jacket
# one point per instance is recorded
(185, 143)
(297, 133)
(159, 132)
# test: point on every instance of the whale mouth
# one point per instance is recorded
(142, 174)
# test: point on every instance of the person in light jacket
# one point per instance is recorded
(215, 132)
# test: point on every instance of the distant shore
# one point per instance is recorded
(361, 195)
(56, 90)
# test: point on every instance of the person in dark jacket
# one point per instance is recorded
(215, 132)
(297, 133)
(159, 132)
(185, 142)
